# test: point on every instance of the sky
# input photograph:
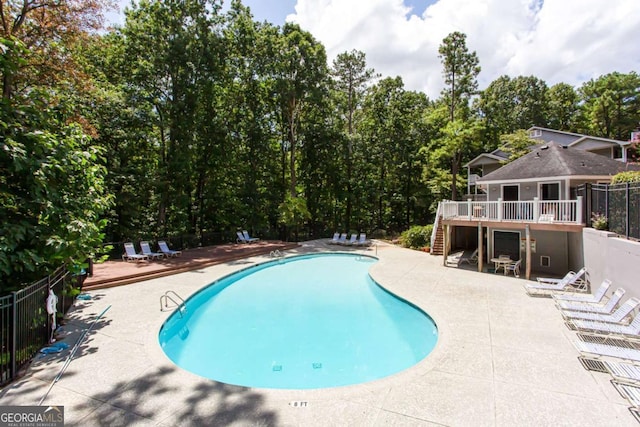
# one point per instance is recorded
(570, 41)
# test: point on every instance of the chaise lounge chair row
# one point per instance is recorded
(609, 335)
(341, 239)
(130, 253)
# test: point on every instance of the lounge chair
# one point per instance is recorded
(593, 307)
(570, 281)
(245, 233)
(631, 392)
(631, 330)
(165, 249)
(622, 371)
(617, 316)
(130, 254)
(146, 250)
(351, 241)
(342, 239)
(334, 240)
(596, 350)
(362, 240)
(514, 266)
(471, 259)
(241, 238)
(569, 275)
(596, 297)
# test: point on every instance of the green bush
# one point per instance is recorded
(417, 237)
(629, 176)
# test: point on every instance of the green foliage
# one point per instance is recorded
(599, 222)
(629, 176)
(52, 195)
(517, 144)
(416, 237)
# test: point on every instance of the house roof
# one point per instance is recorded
(496, 156)
(554, 160)
(579, 138)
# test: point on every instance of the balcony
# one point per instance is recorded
(543, 212)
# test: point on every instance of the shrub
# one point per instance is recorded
(629, 176)
(417, 236)
(599, 222)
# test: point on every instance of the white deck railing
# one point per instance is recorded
(538, 211)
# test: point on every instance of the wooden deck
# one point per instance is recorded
(116, 273)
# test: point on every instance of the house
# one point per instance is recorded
(531, 209)
(611, 148)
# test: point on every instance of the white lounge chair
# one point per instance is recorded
(596, 350)
(245, 233)
(146, 250)
(631, 330)
(631, 392)
(596, 297)
(342, 239)
(593, 307)
(617, 316)
(164, 248)
(130, 254)
(351, 241)
(362, 240)
(570, 281)
(568, 276)
(241, 238)
(622, 371)
(471, 259)
(334, 240)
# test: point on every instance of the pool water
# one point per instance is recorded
(300, 323)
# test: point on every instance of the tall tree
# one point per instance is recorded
(303, 71)
(563, 107)
(351, 76)
(460, 70)
(48, 30)
(612, 104)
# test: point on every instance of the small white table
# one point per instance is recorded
(501, 263)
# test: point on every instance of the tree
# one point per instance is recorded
(612, 105)
(460, 72)
(48, 30)
(517, 144)
(350, 76)
(53, 193)
(563, 107)
(302, 72)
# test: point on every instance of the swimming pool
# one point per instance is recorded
(303, 322)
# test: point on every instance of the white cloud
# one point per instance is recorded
(567, 41)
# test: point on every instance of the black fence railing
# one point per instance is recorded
(25, 324)
(619, 203)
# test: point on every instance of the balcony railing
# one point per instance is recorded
(529, 211)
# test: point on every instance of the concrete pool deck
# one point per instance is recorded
(502, 359)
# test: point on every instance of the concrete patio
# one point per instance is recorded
(502, 359)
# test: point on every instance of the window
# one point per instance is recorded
(545, 261)
(550, 191)
(510, 193)
(536, 133)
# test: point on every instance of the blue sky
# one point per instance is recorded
(275, 11)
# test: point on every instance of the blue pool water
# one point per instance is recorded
(300, 323)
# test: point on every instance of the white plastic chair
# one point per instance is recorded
(164, 248)
(596, 297)
(146, 250)
(131, 254)
(334, 240)
(593, 307)
(249, 239)
(617, 316)
(602, 328)
(597, 350)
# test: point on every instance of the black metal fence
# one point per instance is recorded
(619, 203)
(25, 324)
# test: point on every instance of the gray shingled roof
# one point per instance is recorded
(556, 160)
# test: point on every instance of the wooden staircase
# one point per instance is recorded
(438, 243)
